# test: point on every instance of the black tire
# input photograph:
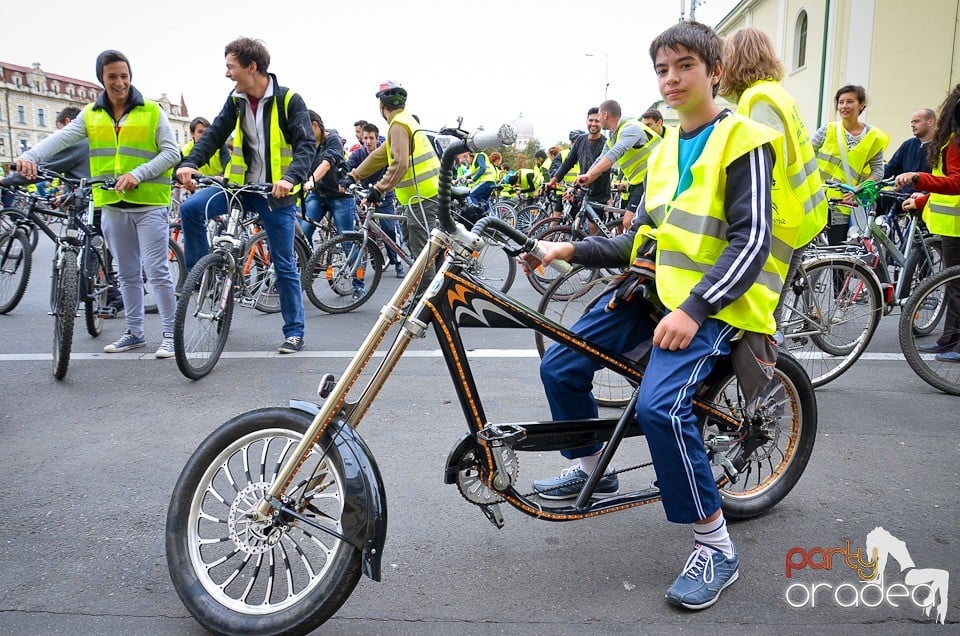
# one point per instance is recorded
(16, 259)
(527, 216)
(203, 317)
(918, 268)
(567, 298)
(506, 212)
(206, 523)
(64, 312)
(178, 272)
(494, 267)
(330, 274)
(93, 291)
(831, 311)
(257, 269)
(786, 429)
(12, 217)
(928, 305)
(546, 223)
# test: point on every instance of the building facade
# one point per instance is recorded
(31, 99)
(905, 54)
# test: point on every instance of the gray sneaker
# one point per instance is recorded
(291, 345)
(570, 481)
(126, 342)
(707, 573)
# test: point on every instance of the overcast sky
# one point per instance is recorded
(487, 62)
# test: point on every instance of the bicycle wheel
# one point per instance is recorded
(527, 216)
(341, 277)
(203, 316)
(545, 223)
(93, 290)
(178, 273)
(929, 304)
(832, 308)
(64, 311)
(505, 212)
(567, 298)
(773, 444)
(15, 262)
(236, 575)
(12, 217)
(259, 275)
(494, 267)
(923, 263)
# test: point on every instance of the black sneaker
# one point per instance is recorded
(292, 344)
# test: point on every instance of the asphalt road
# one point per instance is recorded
(87, 466)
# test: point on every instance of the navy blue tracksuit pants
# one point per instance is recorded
(664, 406)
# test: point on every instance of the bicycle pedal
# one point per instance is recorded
(247, 302)
(502, 434)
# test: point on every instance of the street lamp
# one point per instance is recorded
(606, 72)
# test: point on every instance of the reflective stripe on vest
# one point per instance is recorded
(942, 212)
(422, 176)
(489, 172)
(799, 205)
(212, 168)
(830, 160)
(692, 226)
(114, 153)
(281, 152)
(633, 163)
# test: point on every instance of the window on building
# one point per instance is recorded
(23, 146)
(70, 91)
(56, 89)
(3, 147)
(800, 41)
(41, 120)
(21, 115)
(1, 114)
(36, 85)
(18, 81)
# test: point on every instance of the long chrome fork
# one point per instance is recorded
(333, 405)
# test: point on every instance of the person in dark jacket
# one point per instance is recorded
(325, 195)
(255, 112)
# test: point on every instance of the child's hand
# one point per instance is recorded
(675, 331)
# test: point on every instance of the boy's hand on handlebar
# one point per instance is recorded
(849, 198)
(905, 179)
(675, 331)
(27, 168)
(911, 203)
(185, 177)
(562, 251)
(281, 189)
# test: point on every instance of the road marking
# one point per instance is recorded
(431, 353)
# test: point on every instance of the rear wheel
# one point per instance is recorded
(12, 217)
(771, 447)
(260, 276)
(94, 290)
(922, 264)
(204, 312)
(239, 575)
(494, 267)
(64, 312)
(15, 262)
(341, 277)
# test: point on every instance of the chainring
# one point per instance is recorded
(471, 477)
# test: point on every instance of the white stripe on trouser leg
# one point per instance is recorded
(675, 423)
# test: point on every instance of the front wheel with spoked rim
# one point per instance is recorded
(94, 290)
(773, 444)
(204, 312)
(64, 305)
(237, 574)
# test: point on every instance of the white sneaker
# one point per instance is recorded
(166, 348)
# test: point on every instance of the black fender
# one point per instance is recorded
(364, 518)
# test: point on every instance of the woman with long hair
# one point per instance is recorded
(751, 78)
(941, 213)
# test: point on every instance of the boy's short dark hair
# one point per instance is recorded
(196, 121)
(594, 110)
(696, 37)
(370, 128)
(248, 50)
(70, 112)
(653, 114)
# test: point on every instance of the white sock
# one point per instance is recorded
(589, 463)
(715, 535)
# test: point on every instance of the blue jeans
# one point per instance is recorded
(280, 226)
(664, 405)
(481, 194)
(318, 206)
